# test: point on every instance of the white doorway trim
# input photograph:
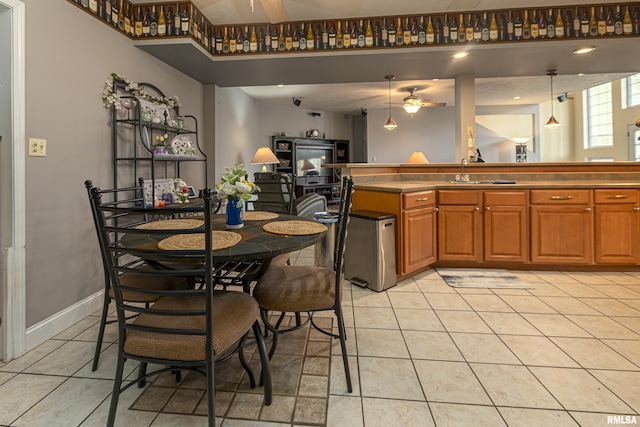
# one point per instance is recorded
(13, 285)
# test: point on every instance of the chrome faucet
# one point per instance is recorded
(462, 177)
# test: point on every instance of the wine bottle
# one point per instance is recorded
(177, 22)
(321, 36)
(275, 40)
(584, 23)
(242, 40)
(121, 16)
(368, 35)
(534, 25)
(437, 32)
(603, 22)
(361, 35)
(627, 24)
(339, 36)
(636, 21)
(191, 18)
(593, 23)
(502, 28)
(414, 36)
(146, 23)
(153, 22)
(469, 30)
(446, 30)
(107, 11)
(225, 41)
(114, 13)
(194, 25)
(453, 30)
(510, 28)
(101, 9)
(462, 31)
(346, 35)
(162, 23)
(288, 38)
(261, 40)
(430, 33)
(392, 33)
(253, 40)
(569, 25)
(295, 38)
(206, 37)
(399, 33)
(484, 28)
(233, 44)
(610, 23)
(127, 21)
(267, 39)
(219, 43)
(377, 35)
(617, 23)
(93, 6)
(577, 25)
(517, 27)
(333, 39)
(384, 34)
(282, 39)
(559, 25)
(526, 26)
(406, 32)
(170, 21)
(137, 23)
(477, 29)
(542, 25)
(311, 39)
(353, 35)
(493, 28)
(184, 22)
(303, 37)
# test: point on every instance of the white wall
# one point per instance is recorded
(65, 75)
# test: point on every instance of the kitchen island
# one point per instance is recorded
(562, 216)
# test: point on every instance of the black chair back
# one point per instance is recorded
(341, 226)
(276, 192)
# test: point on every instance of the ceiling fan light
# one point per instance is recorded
(411, 108)
(552, 123)
(391, 124)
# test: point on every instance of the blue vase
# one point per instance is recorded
(234, 214)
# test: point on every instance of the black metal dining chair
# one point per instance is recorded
(299, 289)
(184, 329)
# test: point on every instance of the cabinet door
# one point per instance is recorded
(561, 234)
(616, 234)
(419, 244)
(459, 233)
(505, 233)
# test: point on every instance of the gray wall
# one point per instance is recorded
(67, 66)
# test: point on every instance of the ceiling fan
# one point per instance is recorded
(412, 103)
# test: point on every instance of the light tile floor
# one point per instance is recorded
(566, 353)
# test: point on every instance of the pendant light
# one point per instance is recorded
(552, 123)
(391, 124)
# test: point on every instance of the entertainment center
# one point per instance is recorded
(302, 158)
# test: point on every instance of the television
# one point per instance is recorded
(309, 160)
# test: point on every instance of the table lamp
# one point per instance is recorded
(418, 158)
(265, 156)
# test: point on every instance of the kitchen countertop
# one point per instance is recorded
(412, 186)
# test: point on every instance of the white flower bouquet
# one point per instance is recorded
(234, 184)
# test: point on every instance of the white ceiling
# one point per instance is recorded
(344, 83)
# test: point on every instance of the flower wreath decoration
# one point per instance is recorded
(111, 100)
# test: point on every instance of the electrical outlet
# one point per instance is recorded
(37, 147)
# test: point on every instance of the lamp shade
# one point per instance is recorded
(391, 124)
(307, 165)
(264, 156)
(418, 158)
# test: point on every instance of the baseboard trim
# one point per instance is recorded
(52, 326)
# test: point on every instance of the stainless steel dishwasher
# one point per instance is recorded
(370, 250)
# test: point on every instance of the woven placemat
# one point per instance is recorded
(172, 224)
(193, 242)
(259, 216)
(294, 227)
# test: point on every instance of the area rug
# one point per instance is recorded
(482, 278)
(300, 370)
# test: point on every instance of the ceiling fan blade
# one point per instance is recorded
(433, 104)
(275, 11)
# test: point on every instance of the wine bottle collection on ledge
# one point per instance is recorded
(186, 20)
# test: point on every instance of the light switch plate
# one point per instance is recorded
(37, 147)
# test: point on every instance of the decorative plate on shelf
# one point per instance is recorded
(183, 145)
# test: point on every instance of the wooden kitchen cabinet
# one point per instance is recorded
(506, 226)
(459, 225)
(561, 226)
(617, 226)
(418, 231)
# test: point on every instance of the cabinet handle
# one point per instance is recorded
(561, 197)
(436, 209)
(488, 208)
(477, 208)
(422, 199)
(587, 209)
(618, 196)
(637, 209)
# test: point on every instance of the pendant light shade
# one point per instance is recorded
(552, 123)
(391, 124)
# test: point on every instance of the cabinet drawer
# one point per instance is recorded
(627, 195)
(560, 197)
(505, 198)
(459, 197)
(418, 199)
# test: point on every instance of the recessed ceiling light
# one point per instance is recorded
(459, 55)
(581, 74)
(516, 97)
(280, 85)
(584, 50)
(435, 80)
